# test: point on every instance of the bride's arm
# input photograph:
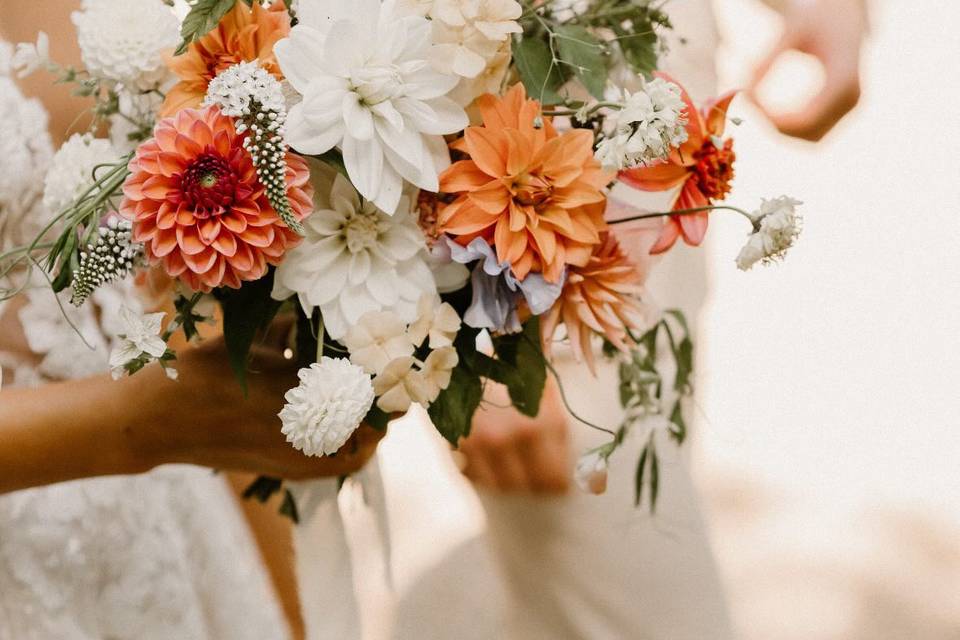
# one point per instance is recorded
(98, 426)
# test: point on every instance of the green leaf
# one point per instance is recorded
(639, 46)
(245, 311)
(527, 372)
(452, 411)
(335, 159)
(262, 488)
(377, 418)
(654, 478)
(204, 17)
(288, 507)
(679, 433)
(585, 55)
(539, 73)
(638, 479)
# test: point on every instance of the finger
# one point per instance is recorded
(548, 465)
(478, 471)
(822, 113)
(786, 42)
(509, 469)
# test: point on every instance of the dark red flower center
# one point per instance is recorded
(714, 169)
(208, 185)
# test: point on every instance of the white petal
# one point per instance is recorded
(391, 189)
(304, 137)
(357, 117)
(360, 268)
(364, 162)
(300, 54)
(345, 47)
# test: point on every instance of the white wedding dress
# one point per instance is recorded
(164, 555)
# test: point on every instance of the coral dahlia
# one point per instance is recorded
(531, 192)
(600, 297)
(196, 203)
(245, 34)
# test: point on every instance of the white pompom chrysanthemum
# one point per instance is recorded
(71, 169)
(123, 40)
(324, 410)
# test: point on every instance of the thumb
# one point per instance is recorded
(786, 42)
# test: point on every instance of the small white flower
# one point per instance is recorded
(123, 40)
(140, 338)
(355, 259)
(650, 124)
(70, 172)
(328, 405)
(399, 385)
(29, 57)
(363, 69)
(435, 373)
(238, 87)
(469, 34)
(777, 226)
(591, 472)
(439, 322)
(378, 338)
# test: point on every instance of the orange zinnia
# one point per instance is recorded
(534, 194)
(601, 298)
(244, 34)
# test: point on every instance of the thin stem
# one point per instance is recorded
(679, 212)
(563, 397)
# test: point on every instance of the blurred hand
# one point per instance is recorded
(832, 31)
(511, 453)
(204, 418)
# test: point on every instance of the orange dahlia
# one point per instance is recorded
(601, 297)
(197, 205)
(246, 33)
(534, 194)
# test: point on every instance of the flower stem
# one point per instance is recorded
(680, 212)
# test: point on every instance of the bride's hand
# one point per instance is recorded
(832, 31)
(204, 418)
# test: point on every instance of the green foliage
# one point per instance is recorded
(246, 311)
(585, 55)
(204, 16)
(185, 317)
(538, 70)
(452, 411)
(525, 370)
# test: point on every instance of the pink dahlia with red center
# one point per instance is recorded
(198, 207)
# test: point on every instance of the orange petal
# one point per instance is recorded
(659, 177)
(668, 236)
(715, 113)
(463, 175)
(488, 148)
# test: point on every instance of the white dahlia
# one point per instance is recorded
(368, 87)
(71, 170)
(355, 259)
(123, 40)
(328, 405)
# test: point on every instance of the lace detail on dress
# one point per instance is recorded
(164, 555)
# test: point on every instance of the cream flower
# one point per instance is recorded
(355, 259)
(436, 372)
(591, 472)
(140, 340)
(123, 40)
(490, 80)
(399, 385)
(378, 338)
(368, 87)
(70, 172)
(439, 322)
(328, 405)
(469, 33)
(777, 226)
(29, 57)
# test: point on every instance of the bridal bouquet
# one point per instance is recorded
(411, 178)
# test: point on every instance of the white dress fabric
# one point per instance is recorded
(164, 555)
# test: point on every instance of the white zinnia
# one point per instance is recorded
(355, 259)
(650, 124)
(368, 87)
(328, 405)
(777, 226)
(123, 40)
(70, 172)
(140, 337)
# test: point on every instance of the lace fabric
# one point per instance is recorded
(163, 555)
